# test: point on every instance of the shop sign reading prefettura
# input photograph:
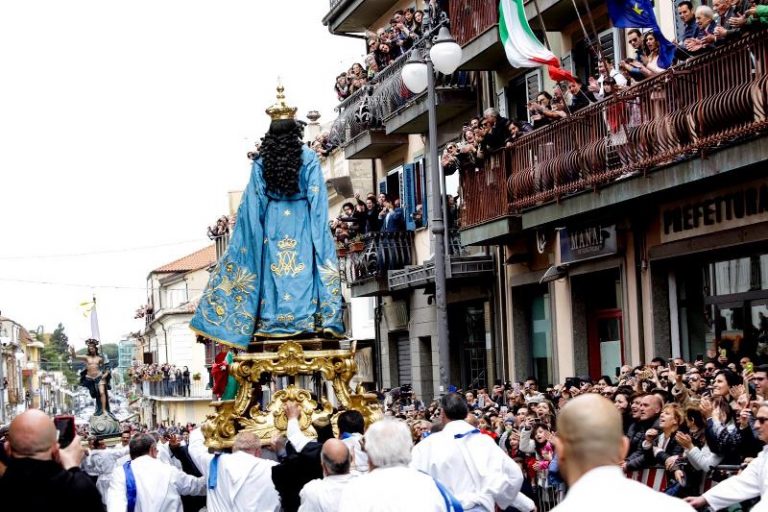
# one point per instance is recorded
(728, 208)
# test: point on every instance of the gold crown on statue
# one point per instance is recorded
(287, 243)
(280, 110)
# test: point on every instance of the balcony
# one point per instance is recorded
(347, 16)
(174, 391)
(378, 118)
(710, 106)
(367, 270)
(475, 26)
(463, 264)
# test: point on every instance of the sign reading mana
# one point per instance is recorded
(594, 241)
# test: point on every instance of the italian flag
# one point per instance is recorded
(522, 47)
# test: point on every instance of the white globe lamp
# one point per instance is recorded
(445, 52)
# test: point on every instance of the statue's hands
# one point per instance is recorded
(291, 410)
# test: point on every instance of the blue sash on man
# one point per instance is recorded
(130, 486)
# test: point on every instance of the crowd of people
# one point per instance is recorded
(705, 28)
(381, 213)
(695, 423)
(384, 46)
(165, 379)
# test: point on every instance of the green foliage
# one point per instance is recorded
(60, 340)
(55, 356)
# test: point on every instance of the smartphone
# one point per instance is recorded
(618, 371)
(681, 369)
(65, 426)
(750, 367)
(572, 382)
(723, 352)
(699, 357)
(503, 409)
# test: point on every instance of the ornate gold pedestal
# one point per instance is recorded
(286, 358)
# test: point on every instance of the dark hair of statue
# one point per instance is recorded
(280, 153)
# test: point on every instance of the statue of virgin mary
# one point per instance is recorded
(279, 276)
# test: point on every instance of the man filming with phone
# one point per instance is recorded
(44, 474)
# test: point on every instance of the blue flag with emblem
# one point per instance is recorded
(639, 14)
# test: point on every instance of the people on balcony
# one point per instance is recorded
(496, 126)
(393, 218)
(342, 87)
(580, 97)
(633, 64)
(704, 38)
(541, 111)
(606, 71)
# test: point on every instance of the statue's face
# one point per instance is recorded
(92, 350)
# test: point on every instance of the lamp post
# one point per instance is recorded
(419, 74)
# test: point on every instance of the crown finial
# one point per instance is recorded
(280, 110)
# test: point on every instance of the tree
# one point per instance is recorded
(55, 356)
(60, 340)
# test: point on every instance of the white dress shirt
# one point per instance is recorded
(243, 482)
(473, 468)
(158, 487)
(606, 488)
(324, 494)
(394, 489)
(750, 483)
(359, 457)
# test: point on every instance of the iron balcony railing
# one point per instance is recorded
(703, 104)
(175, 389)
(471, 18)
(381, 252)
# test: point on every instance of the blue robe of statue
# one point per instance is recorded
(279, 277)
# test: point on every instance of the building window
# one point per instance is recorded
(541, 338)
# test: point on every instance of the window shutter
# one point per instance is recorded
(424, 192)
(408, 195)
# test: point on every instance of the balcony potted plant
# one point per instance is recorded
(341, 249)
(196, 376)
(357, 244)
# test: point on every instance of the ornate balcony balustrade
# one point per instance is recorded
(380, 253)
(702, 105)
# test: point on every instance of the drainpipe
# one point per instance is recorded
(165, 333)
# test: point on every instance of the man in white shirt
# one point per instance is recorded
(750, 483)
(149, 483)
(605, 69)
(351, 429)
(590, 444)
(240, 481)
(323, 494)
(470, 464)
(390, 485)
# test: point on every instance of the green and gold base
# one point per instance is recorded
(290, 358)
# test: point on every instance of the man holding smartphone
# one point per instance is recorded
(44, 474)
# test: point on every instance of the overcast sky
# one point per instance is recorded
(123, 125)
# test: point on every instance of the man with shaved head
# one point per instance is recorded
(650, 409)
(590, 444)
(324, 494)
(239, 481)
(43, 474)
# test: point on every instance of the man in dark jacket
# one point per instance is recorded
(497, 127)
(42, 474)
(650, 410)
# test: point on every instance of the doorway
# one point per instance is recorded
(605, 342)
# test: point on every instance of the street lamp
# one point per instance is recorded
(418, 74)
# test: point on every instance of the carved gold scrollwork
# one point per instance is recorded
(244, 413)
